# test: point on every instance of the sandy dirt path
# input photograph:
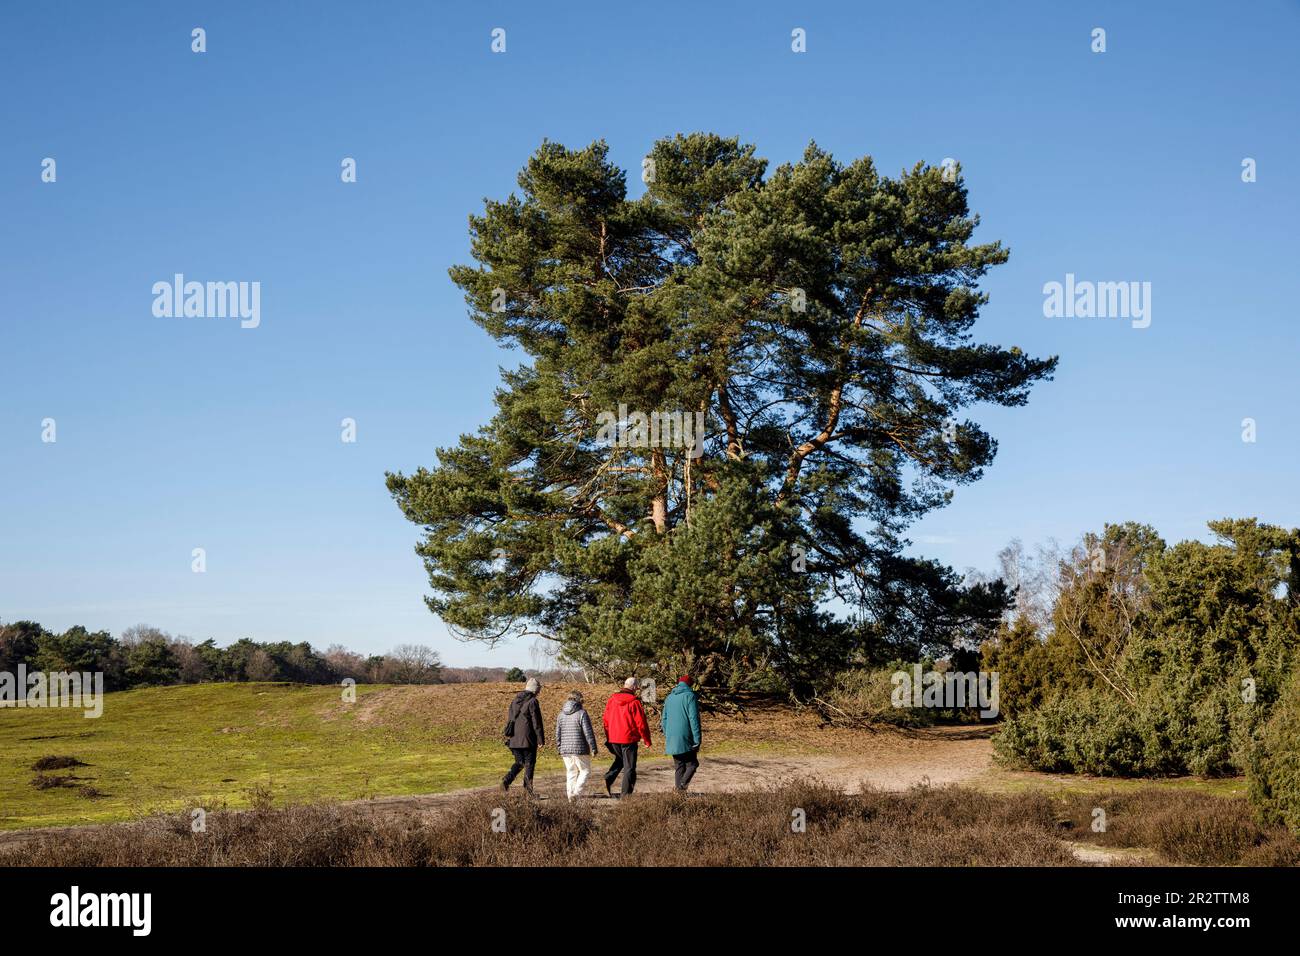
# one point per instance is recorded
(893, 760)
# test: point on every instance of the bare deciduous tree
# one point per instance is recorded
(413, 664)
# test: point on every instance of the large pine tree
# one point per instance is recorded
(819, 317)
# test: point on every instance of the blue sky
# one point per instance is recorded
(174, 434)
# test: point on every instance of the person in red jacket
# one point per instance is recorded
(625, 724)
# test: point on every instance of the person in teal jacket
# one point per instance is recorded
(681, 725)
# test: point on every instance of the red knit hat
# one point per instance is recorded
(685, 679)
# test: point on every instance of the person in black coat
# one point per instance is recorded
(524, 733)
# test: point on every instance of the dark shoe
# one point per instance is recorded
(608, 792)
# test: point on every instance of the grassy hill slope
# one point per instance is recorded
(211, 745)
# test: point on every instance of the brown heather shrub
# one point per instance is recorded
(53, 781)
(300, 836)
(537, 832)
(923, 827)
(665, 829)
(1185, 827)
(943, 827)
(1279, 850)
(56, 763)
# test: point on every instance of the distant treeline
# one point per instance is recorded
(483, 675)
(146, 656)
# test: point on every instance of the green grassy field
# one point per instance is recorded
(208, 745)
(1069, 785)
(214, 745)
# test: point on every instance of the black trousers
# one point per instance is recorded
(684, 767)
(525, 760)
(625, 763)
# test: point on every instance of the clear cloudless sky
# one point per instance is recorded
(178, 433)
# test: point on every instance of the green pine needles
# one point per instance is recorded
(817, 319)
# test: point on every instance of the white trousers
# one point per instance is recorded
(576, 768)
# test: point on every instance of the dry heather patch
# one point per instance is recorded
(922, 827)
(1183, 827)
(53, 762)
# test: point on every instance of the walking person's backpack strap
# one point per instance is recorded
(511, 716)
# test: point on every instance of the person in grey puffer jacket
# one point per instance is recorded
(576, 741)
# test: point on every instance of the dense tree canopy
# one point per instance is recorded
(818, 319)
(1161, 659)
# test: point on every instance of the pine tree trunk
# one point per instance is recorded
(659, 504)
